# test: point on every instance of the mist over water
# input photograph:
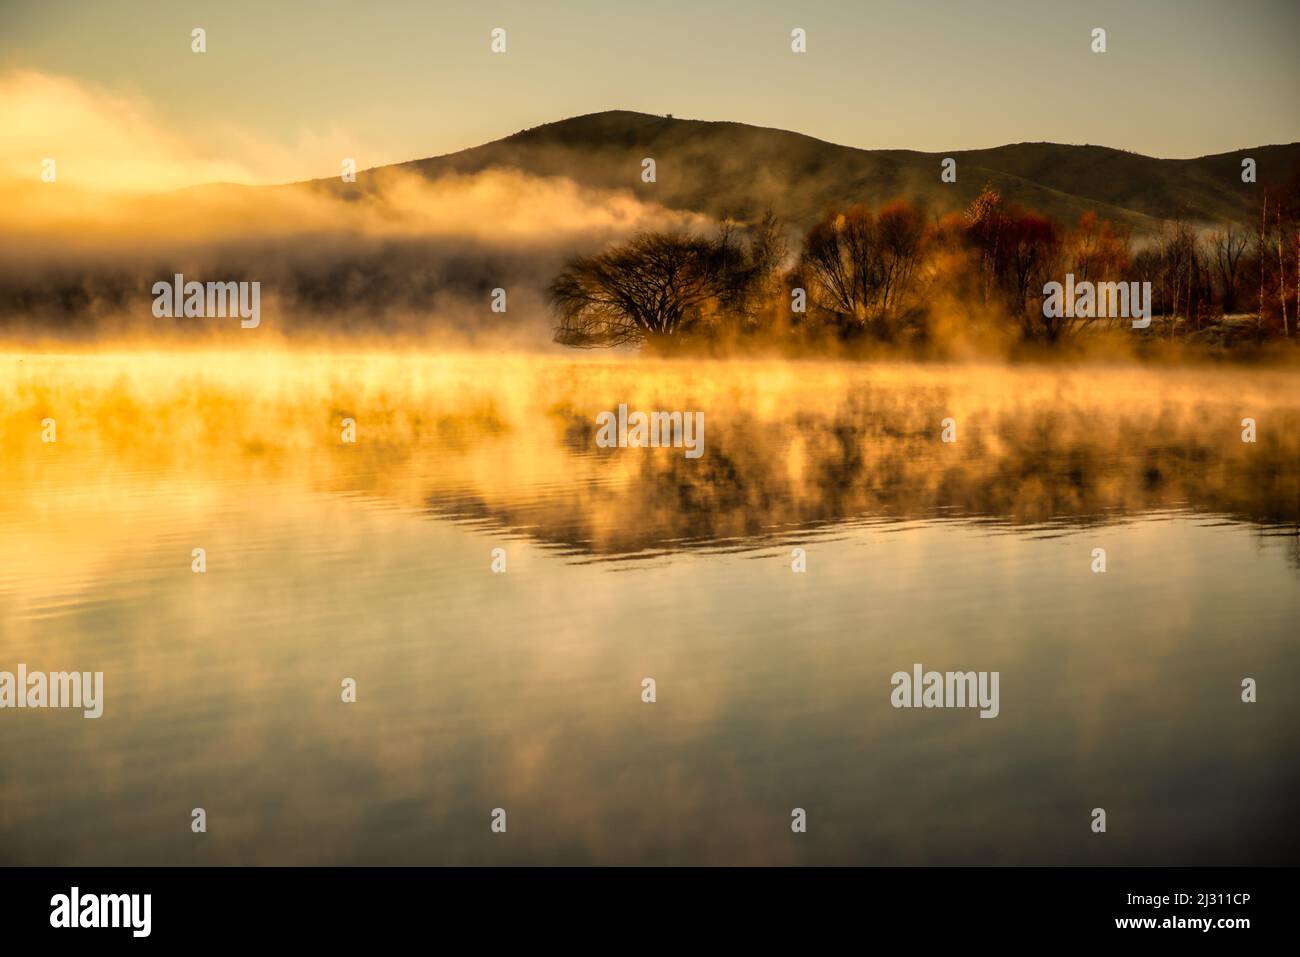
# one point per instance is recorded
(521, 690)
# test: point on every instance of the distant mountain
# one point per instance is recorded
(718, 168)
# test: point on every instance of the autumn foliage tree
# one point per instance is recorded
(893, 275)
(1017, 252)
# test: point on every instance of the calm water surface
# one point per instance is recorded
(522, 690)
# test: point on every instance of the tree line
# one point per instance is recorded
(896, 275)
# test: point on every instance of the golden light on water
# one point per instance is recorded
(509, 439)
(371, 559)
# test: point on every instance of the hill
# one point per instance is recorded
(732, 168)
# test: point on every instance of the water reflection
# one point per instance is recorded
(522, 690)
(790, 447)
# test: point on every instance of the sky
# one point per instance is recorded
(287, 88)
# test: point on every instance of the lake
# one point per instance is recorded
(514, 679)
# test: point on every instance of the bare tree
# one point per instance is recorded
(1182, 270)
(1281, 272)
(841, 263)
(1227, 246)
(1263, 227)
(750, 266)
(860, 267)
(902, 240)
(662, 285)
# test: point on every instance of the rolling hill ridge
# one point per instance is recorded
(721, 168)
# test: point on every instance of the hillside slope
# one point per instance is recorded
(732, 168)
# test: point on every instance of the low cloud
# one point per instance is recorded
(122, 214)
